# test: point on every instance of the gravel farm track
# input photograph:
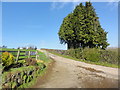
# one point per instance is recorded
(67, 73)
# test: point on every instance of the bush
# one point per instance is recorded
(91, 54)
(76, 53)
(109, 56)
(7, 59)
(70, 52)
(30, 61)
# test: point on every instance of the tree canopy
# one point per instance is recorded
(82, 28)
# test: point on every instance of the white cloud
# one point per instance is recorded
(113, 0)
(113, 5)
(58, 5)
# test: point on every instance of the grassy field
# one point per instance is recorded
(22, 53)
(9, 49)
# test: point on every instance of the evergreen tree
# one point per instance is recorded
(71, 30)
(66, 33)
(91, 27)
(79, 25)
(81, 28)
(96, 35)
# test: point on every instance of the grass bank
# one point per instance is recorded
(96, 63)
(48, 62)
(35, 80)
(26, 75)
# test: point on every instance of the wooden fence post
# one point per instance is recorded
(29, 54)
(17, 55)
(36, 55)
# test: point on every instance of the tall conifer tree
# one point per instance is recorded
(81, 28)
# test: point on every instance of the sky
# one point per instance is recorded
(38, 23)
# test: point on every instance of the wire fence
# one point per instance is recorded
(21, 54)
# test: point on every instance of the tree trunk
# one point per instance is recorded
(70, 45)
(77, 45)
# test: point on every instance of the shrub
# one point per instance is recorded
(91, 54)
(76, 53)
(30, 61)
(7, 59)
(109, 56)
(70, 52)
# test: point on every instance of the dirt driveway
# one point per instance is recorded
(67, 73)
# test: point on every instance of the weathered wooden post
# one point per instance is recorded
(29, 54)
(36, 55)
(18, 53)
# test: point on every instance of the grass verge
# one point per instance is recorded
(34, 81)
(47, 62)
(96, 63)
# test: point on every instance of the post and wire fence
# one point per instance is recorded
(22, 54)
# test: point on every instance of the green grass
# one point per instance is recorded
(47, 61)
(97, 63)
(34, 81)
(8, 49)
(21, 53)
(21, 69)
(43, 57)
(33, 56)
(14, 70)
(22, 57)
